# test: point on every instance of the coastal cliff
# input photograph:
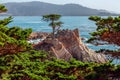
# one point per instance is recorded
(67, 45)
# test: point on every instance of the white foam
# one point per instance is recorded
(35, 41)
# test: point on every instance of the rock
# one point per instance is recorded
(60, 51)
(55, 47)
(36, 35)
(68, 44)
(78, 50)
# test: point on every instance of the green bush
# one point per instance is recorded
(37, 65)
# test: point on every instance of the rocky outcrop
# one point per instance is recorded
(78, 50)
(55, 47)
(68, 44)
(35, 35)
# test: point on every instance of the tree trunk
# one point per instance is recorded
(53, 32)
(53, 27)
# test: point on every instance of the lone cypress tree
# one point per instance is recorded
(54, 23)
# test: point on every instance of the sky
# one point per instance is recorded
(110, 5)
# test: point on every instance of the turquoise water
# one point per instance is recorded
(70, 22)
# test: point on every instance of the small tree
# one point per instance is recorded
(54, 23)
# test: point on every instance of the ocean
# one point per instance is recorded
(84, 25)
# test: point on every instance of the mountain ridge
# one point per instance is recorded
(36, 8)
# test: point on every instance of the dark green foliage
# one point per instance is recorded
(5, 39)
(109, 24)
(51, 17)
(34, 65)
(16, 66)
(96, 35)
(12, 40)
(99, 33)
(14, 35)
(3, 28)
(18, 33)
(95, 18)
(54, 23)
(6, 21)
(91, 39)
(2, 8)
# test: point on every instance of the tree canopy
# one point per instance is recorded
(6, 21)
(38, 65)
(106, 27)
(51, 17)
(12, 40)
(2, 8)
(112, 24)
(54, 23)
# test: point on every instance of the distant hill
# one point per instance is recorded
(39, 8)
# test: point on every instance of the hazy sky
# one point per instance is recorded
(111, 5)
